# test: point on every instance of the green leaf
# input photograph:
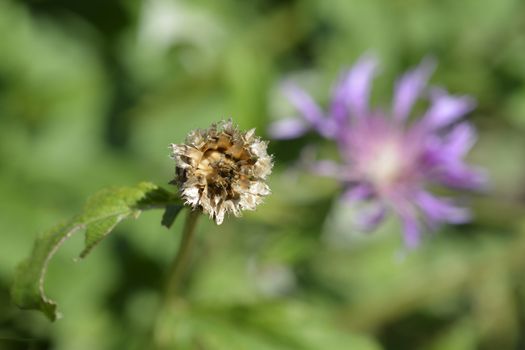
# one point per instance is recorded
(101, 213)
(170, 214)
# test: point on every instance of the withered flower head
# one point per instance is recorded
(222, 170)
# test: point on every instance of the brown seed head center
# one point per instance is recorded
(222, 165)
(215, 164)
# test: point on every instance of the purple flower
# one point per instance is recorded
(387, 160)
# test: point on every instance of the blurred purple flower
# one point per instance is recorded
(387, 160)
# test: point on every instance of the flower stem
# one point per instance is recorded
(161, 340)
(178, 266)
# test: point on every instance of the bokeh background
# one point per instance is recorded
(91, 94)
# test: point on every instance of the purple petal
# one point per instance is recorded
(444, 158)
(446, 109)
(287, 128)
(411, 231)
(369, 218)
(441, 209)
(459, 175)
(338, 106)
(357, 85)
(357, 193)
(409, 88)
(460, 140)
(305, 104)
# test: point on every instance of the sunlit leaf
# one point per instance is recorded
(100, 215)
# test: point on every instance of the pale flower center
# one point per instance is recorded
(385, 165)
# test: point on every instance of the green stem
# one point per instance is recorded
(178, 266)
(176, 273)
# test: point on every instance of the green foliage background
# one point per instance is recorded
(91, 94)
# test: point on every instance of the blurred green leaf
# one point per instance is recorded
(101, 214)
(296, 324)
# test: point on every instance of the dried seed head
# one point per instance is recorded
(222, 170)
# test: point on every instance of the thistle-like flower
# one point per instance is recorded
(222, 170)
(387, 160)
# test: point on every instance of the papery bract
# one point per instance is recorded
(222, 170)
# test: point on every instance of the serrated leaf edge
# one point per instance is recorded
(72, 231)
(85, 252)
(68, 229)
